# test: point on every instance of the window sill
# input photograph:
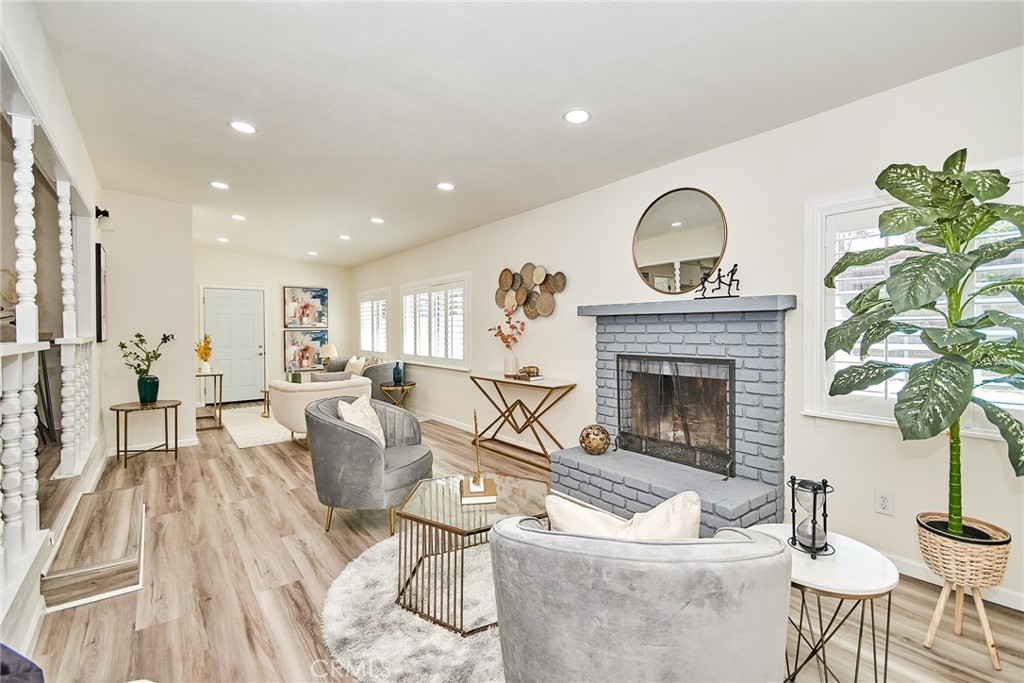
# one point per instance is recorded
(455, 368)
(972, 432)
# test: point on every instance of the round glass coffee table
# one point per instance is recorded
(434, 531)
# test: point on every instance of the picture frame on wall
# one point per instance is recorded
(101, 293)
(302, 350)
(305, 307)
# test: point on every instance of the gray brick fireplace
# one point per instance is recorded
(750, 332)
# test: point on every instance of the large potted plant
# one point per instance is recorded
(945, 214)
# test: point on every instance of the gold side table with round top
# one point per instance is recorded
(121, 413)
(397, 392)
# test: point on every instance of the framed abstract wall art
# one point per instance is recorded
(305, 307)
(302, 349)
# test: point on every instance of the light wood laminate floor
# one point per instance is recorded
(237, 564)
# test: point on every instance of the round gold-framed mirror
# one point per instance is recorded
(679, 238)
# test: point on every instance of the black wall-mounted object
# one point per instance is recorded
(102, 213)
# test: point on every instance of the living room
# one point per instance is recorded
(161, 252)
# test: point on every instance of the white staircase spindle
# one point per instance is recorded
(10, 459)
(26, 310)
(67, 258)
(29, 446)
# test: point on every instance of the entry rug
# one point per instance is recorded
(248, 429)
(375, 640)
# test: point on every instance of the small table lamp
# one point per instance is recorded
(327, 352)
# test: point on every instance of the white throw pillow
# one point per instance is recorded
(355, 365)
(361, 414)
(675, 518)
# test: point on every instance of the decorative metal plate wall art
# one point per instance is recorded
(533, 287)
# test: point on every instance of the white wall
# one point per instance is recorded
(149, 290)
(216, 267)
(761, 184)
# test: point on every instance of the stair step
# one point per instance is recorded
(101, 553)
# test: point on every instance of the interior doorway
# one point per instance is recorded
(234, 317)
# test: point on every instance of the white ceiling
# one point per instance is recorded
(363, 107)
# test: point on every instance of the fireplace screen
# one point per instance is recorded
(679, 409)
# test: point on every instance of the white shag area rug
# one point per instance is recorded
(248, 429)
(375, 640)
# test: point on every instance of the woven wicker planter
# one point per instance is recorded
(964, 561)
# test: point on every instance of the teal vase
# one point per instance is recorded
(149, 387)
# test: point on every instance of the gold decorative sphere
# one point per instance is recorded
(594, 439)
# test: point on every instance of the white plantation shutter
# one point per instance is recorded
(434, 322)
(373, 321)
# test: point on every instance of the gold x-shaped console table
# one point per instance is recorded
(520, 415)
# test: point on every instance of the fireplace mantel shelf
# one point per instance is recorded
(778, 302)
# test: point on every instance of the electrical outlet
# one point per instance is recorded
(884, 502)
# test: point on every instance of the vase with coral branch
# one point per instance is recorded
(509, 338)
(204, 350)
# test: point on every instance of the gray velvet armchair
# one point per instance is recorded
(580, 608)
(351, 470)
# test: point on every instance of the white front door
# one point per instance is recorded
(234, 320)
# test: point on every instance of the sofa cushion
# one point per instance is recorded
(329, 376)
(355, 365)
(361, 414)
(405, 465)
(675, 518)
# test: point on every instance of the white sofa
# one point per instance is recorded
(288, 400)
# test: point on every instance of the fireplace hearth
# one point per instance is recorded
(678, 409)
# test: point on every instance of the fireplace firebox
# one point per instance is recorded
(678, 409)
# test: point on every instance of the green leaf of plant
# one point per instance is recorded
(845, 335)
(857, 377)
(1015, 286)
(904, 219)
(973, 221)
(862, 258)
(993, 251)
(866, 299)
(1015, 381)
(943, 337)
(1011, 213)
(936, 394)
(984, 185)
(956, 162)
(1005, 358)
(922, 280)
(1011, 430)
(976, 323)
(931, 235)
(882, 330)
(910, 184)
(1009, 321)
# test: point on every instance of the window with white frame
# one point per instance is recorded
(435, 321)
(373, 321)
(835, 227)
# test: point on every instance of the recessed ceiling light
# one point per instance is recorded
(344, 237)
(219, 184)
(222, 239)
(677, 224)
(447, 187)
(243, 127)
(238, 217)
(376, 220)
(311, 253)
(576, 116)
